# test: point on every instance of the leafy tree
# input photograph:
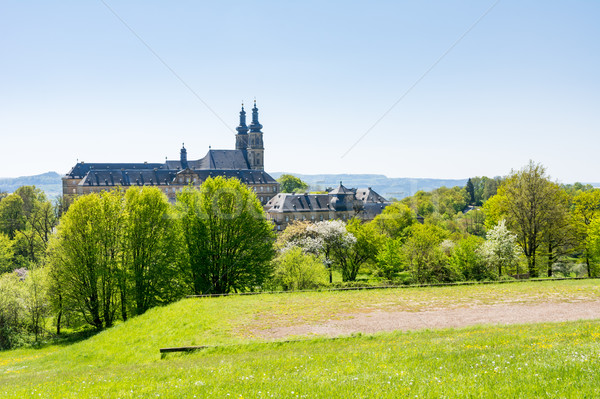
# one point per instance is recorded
(423, 255)
(592, 243)
(465, 256)
(12, 310)
(586, 205)
(151, 246)
(421, 203)
(291, 184)
(449, 201)
(6, 254)
(531, 204)
(389, 259)
(228, 241)
(366, 244)
(331, 238)
(395, 220)
(86, 255)
(500, 250)
(12, 217)
(297, 270)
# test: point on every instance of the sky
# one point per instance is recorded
(401, 88)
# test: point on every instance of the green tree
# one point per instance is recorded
(228, 241)
(366, 244)
(470, 189)
(390, 261)
(86, 254)
(586, 204)
(423, 254)
(6, 254)
(296, 270)
(395, 220)
(465, 256)
(531, 204)
(291, 184)
(12, 217)
(151, 245)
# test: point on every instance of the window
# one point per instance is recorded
(287, 219)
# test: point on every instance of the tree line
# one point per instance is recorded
(116, 254)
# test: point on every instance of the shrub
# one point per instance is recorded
(296, 270)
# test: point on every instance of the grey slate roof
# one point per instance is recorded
(215, 159)
(162, 177)
(339, 200)
(81, 169)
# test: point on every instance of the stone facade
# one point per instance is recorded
(246, 163)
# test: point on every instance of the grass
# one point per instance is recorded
(540, 360)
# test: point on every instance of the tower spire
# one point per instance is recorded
(242, 128)
(183, 157)
(255, 126)
(241, 138)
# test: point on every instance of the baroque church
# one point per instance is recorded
(246, 163)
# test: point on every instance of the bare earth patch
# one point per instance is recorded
(380, 320)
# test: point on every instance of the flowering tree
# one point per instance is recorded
(500, 249)
(330, 236)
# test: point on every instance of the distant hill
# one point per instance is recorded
(388, 187)
(49, 182)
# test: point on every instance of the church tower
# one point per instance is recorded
(256, 148)
(241, 138)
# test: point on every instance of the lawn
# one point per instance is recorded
(538, 360)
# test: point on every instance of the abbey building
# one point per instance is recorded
(246, 163)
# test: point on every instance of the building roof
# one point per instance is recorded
(166, 177)
(81, 168)
(215, 159)
(365, 200)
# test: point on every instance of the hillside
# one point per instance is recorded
(49, 182)
(124, 361)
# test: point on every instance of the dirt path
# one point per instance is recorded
(458, 317)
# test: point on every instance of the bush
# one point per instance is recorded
(12, 311)
(296, 270)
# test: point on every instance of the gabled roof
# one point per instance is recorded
(368, 195)
(341, 190)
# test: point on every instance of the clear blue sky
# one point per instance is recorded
(523, 84)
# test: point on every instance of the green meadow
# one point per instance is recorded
(537, 360)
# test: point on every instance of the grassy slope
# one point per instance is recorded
(124, 361)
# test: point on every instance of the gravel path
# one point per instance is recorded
(430, 319)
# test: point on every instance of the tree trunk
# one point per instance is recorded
(550, 259)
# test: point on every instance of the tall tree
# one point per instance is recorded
(86, 254)
(470, 189)
(228, 241)
(531, 204)
(151, 245)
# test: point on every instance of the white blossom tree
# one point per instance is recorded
(500, 250)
